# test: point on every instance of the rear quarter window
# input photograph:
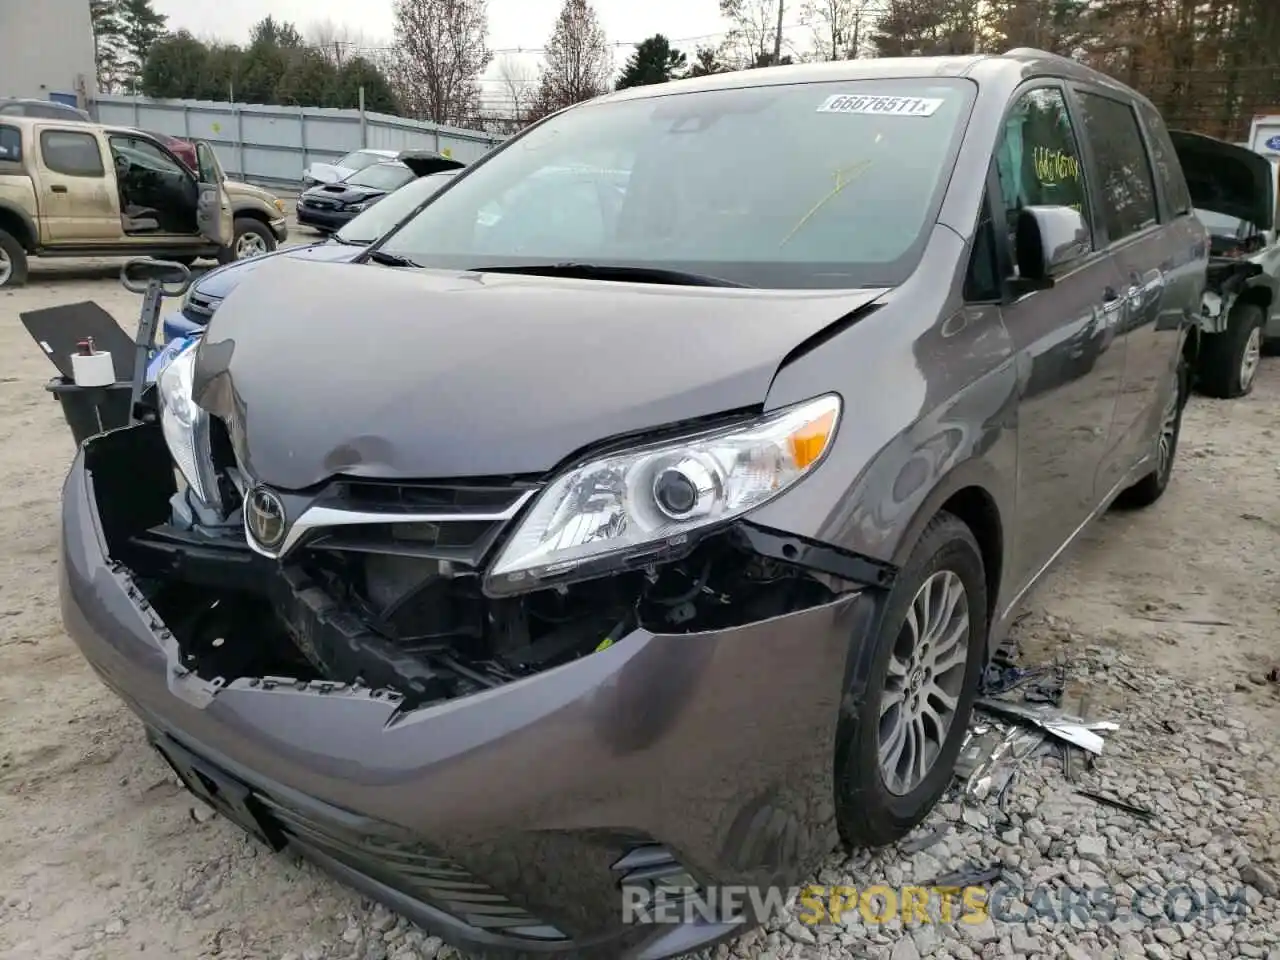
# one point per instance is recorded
(10, 144)
(1164, 159)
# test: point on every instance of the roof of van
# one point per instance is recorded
(1010, 67)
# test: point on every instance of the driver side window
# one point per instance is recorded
(143, 153)
(1038, 158)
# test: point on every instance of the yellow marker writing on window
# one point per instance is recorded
(843, 176)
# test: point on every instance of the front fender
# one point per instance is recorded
(32, 238)
(240, 206)
(930, 399)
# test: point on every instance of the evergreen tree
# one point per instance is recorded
(108, 44)
(707, 61)
(141, 27)
(174, 66)
(655, 61)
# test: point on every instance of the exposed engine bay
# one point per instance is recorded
(1228, 275)
(403, 610)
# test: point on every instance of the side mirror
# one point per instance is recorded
(1045, 239)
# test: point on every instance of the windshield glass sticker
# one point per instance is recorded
(881, 106)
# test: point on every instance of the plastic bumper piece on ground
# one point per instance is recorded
(497, 820)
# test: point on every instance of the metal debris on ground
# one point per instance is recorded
(1072, 729)
(925, 840)
(993, 757)
(970, 876)
(1044, 684)
(1142, 812)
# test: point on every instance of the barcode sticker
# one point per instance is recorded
(881, 106)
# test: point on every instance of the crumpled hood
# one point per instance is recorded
(380, 372)
(328, 172)
(1227, 179)
(222, 280)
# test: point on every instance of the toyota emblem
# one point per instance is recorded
(264, 518)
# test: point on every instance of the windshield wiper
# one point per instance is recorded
(391, 259)
(609, 271)
(349, 243)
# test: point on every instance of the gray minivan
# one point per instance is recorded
(654, 536)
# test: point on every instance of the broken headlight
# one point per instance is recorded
(636, 505)
(186, 426)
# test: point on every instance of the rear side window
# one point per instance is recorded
(1165, 160)
(1127, 192)
(70, 153)
(10, 144)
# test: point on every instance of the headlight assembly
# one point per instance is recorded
(633, 506)
(186, 427)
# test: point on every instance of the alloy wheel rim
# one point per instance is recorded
(924, 682)
(249, 245)
(1169, 430)
(1252, 357)
(6, 267)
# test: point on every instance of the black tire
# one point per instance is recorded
(1152, 487)
(17, 259)
(247, 225)
(868, 813)
(1221, 370)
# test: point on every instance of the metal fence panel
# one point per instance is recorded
(272, 145)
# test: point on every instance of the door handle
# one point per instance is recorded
(57, 188)
(1113, 302)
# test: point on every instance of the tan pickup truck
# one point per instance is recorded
(71, 189)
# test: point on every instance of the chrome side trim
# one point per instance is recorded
(319, 517)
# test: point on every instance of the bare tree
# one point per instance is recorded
(840, 27)
(336, 42)
(755, 40)
(440, 51)
(579, 62)
(519, 84)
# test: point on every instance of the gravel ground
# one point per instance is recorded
(1168, 620)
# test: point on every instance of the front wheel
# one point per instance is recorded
(1229, 360)
(896, 746)
(252, 239)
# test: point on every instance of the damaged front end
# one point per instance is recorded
(1228, 277)
(434, 590)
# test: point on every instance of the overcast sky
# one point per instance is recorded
(512, 23)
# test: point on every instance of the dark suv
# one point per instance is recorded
(648, 530)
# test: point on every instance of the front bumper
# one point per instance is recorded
(324, 219)
(716, 746)
(280, 229)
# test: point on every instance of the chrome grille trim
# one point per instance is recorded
(322, 517)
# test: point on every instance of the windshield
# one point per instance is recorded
(797, 185)
(381, 176)
(393, 208)
(359, 160)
